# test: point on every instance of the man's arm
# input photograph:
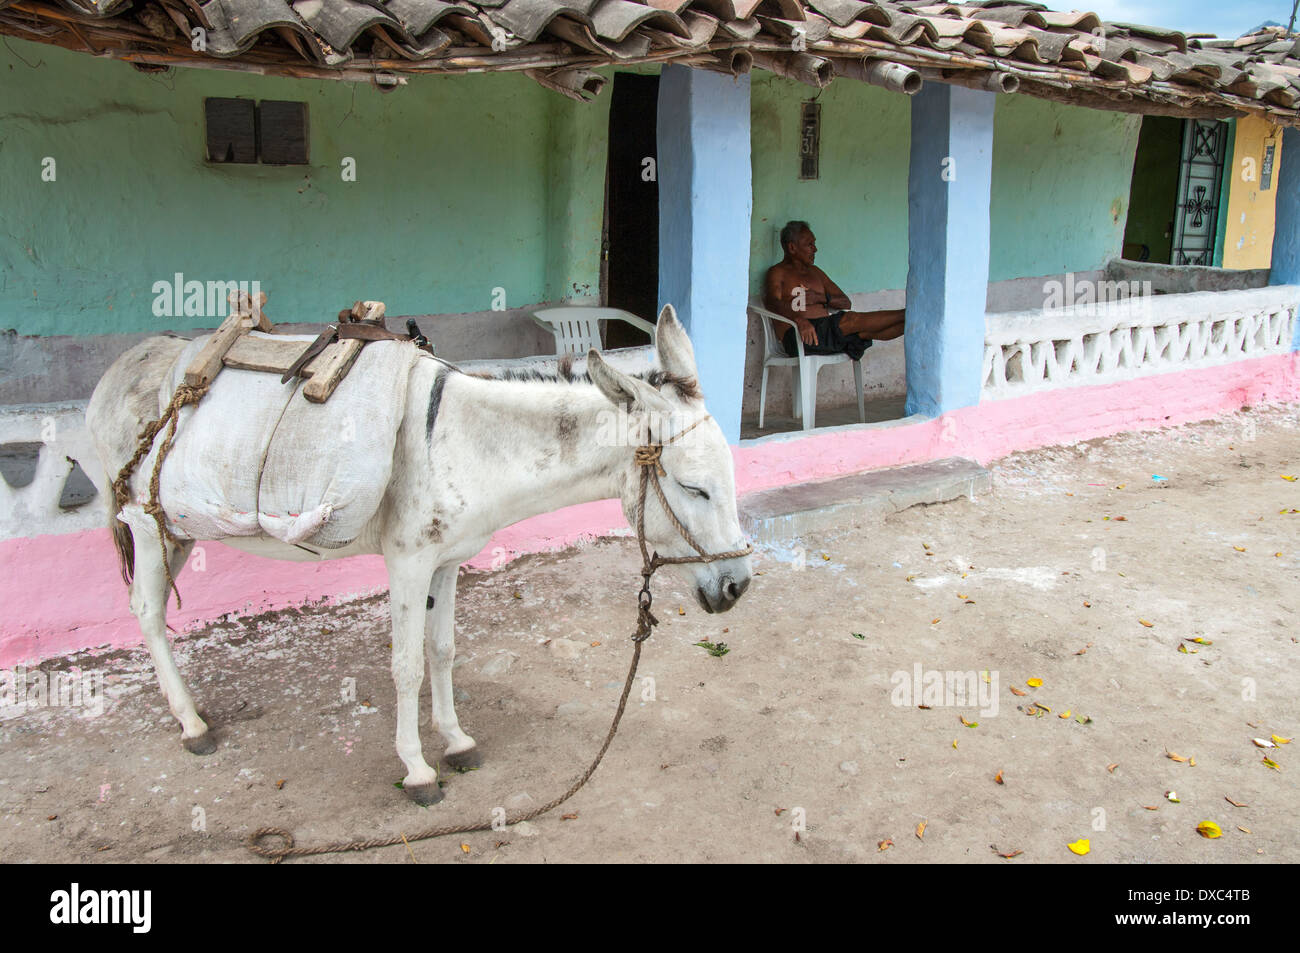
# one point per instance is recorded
(776, 301)
(835, 298)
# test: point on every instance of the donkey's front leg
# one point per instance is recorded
(408, 587)
(440, 649)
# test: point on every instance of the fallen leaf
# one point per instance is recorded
(1268, 763)
(1010, 853)
(954, 744)
(1185, 650)
(923, 707)
(1035, 683)
(1209, 829)
(465, 848)
(910, 578)
(569, 817)
(1111, 767)
(1016, 691)
(1288, 478)
(279, 785)
(1244, 830)
(1151, 807)
(1234, 803)
(968, 724)
(1200, 641)
(934, 621)
(1043, 707)
(780, 811)
(825, 557)
(1087, 605)
(594, 644)
(997, 778)
(1280, 741)
(1191, 762)
(1240, 549)
(1121, 519)
(858, 635)
(1121, 486)
(1175, 757)
(1080, 847)
(984, 675)
(1149, 625)
(884, 845)
(1064, 714)
(1277, 554)
(681, 610)
(1171, 796)
(1261, 743)
(961, 595)
(920, 831)
(1084, 649)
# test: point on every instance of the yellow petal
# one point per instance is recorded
(1035, 683)
(1064, 714)
(920, 831)
(1146, 623)
(465, 848)
(885, 845)
(1288, 478)
(1175, 757)
(1240, 549)
(1016, 691)
(1280, 741)
(954, 744)
(1080, 847)
(998, 778)
(1270, 763)
(1209, 829)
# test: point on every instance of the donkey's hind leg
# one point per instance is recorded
(149, 593)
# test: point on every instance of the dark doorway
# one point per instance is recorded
(1148, 233)
(1176, 191)
(631, 240)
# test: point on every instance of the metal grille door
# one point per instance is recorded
(1200, 177)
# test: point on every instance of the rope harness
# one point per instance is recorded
(647, 458)
(185, 394)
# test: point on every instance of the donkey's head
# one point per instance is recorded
(697, 475)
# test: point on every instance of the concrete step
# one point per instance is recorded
(789, 512)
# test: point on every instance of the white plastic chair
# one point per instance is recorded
(578, 329)
(803, 366)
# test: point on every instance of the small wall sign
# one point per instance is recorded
(810, 135)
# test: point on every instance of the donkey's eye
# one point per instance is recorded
(695, 490)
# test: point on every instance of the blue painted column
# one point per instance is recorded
(705, 199)
(948, 185)
(1286, 231)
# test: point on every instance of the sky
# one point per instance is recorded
(1225, 18)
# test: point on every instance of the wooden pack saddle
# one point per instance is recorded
(322, 364)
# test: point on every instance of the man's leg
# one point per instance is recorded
(876, 325)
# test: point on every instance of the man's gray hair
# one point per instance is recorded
(792, 231)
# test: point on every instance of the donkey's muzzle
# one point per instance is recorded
(729, 591)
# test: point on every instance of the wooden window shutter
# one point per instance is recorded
(282, 132)
(232, 130)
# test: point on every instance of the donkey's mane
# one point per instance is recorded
(687, 387)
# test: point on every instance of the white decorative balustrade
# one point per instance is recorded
(1028, 351)
(60, 432)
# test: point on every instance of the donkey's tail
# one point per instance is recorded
(123, 541)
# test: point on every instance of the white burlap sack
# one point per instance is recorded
(323, 468)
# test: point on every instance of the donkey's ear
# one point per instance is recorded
(676, 355)
(622, 388)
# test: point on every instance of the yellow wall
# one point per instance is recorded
(1248, 236)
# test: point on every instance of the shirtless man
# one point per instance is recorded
(797, 289)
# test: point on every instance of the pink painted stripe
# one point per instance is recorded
(63, 593)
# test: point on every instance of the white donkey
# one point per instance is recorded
(472, 455)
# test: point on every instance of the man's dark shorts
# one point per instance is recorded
(830, 339)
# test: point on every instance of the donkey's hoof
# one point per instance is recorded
(200, 744)
(464, 760)
(424, 795)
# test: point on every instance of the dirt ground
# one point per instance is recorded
(802, 728)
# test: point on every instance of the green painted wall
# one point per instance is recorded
(858, 208)
(1059, 195)
(1060, 186)
(463, 184)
